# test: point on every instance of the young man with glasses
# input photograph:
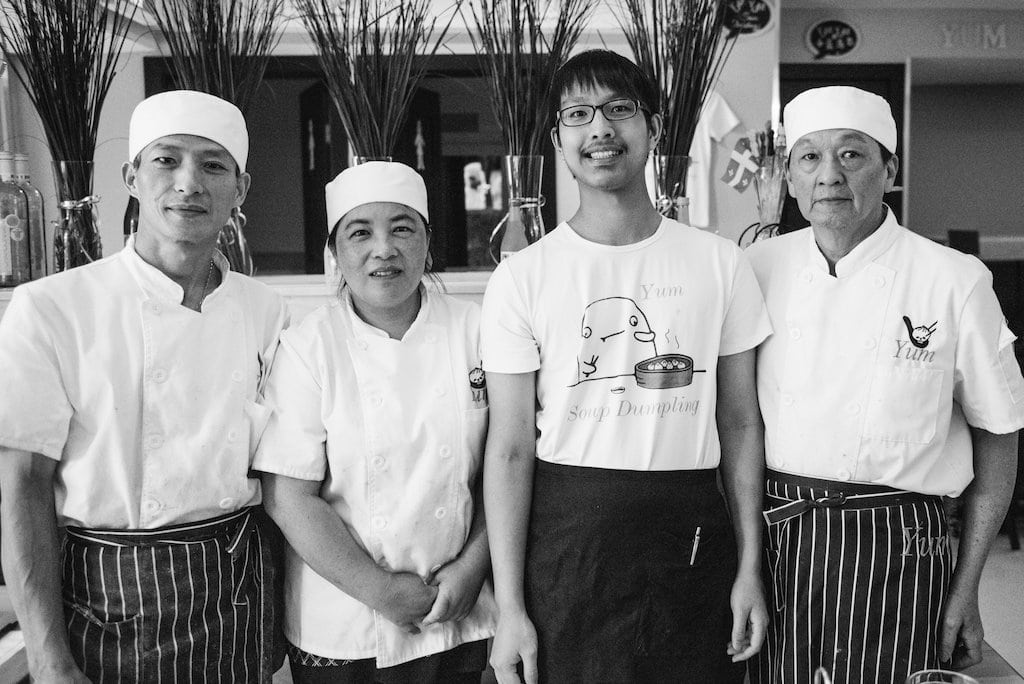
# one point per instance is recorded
(619, 352)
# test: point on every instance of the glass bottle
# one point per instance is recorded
(14, 250)
(37, 248)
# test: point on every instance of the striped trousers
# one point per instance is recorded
(857, 583)
(186, 603)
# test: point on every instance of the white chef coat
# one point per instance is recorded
(395, 430)
(845, 392)
(583, 315)
(148, 406)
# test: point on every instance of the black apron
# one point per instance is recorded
(628, 576)
(189, 602)
(857, 575)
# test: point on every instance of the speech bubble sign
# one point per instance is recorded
(831, 38)
(748, 17)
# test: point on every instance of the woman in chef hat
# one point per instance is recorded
(372, 455)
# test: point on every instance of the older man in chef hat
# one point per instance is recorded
(889, 383)
(132, 541)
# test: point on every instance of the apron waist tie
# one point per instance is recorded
(852, 502)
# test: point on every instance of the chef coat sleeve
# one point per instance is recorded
(506, 336)
(293, 443)
(35, 410)
(987, 380)
(746, 323)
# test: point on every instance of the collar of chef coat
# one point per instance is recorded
(156, 284)
(366, 332)
(869, 249)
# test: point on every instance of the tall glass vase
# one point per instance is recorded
(232, 244)
(76, 239)
(523, 224)
(670, 186)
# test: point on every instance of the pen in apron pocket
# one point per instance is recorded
(696, 543)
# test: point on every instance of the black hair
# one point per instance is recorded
(611, 70)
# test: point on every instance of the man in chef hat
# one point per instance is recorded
(127, 418)
(890, 359)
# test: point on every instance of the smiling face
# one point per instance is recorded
(605, 155)
(381, 248)
(838, 178)
(186, 186)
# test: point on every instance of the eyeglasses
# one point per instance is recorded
(614, 110)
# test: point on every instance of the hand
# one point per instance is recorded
(458, 587)
(749, 617)
(962, 633)
(63, 673)
(405, 600)
(514, 641)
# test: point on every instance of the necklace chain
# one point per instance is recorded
(206, 285)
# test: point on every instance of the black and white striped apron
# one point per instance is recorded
(628, 576)
(183, 603)
(857, 575)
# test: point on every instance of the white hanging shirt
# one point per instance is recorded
(874, 375)
(395, 430)
(625, 341)
(149, 407)
(716, 120)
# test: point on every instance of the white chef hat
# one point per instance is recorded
(821, 109)
(375, 181)
(189, 112)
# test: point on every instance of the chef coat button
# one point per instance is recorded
(156, 308)
(794, 333)
(363, 345)
(869, 343)
(154, 441)
(232, 435)
(440, 391)
(853, 408)
(807, 276)
(843, 475)
(445, 451)
(377, 401)
(159, 375)
(226, 503)
(879, 281)
(787, 399)
(150, 506)
(237, 376)
(379, 523)
(440, 513)
(379, 462)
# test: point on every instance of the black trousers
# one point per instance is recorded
(461, 665)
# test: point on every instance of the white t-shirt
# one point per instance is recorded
(625, 341)
(716, 120)
(395, 431)
(874, 375)
(149, 407)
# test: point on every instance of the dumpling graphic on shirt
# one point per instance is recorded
(616, 335)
